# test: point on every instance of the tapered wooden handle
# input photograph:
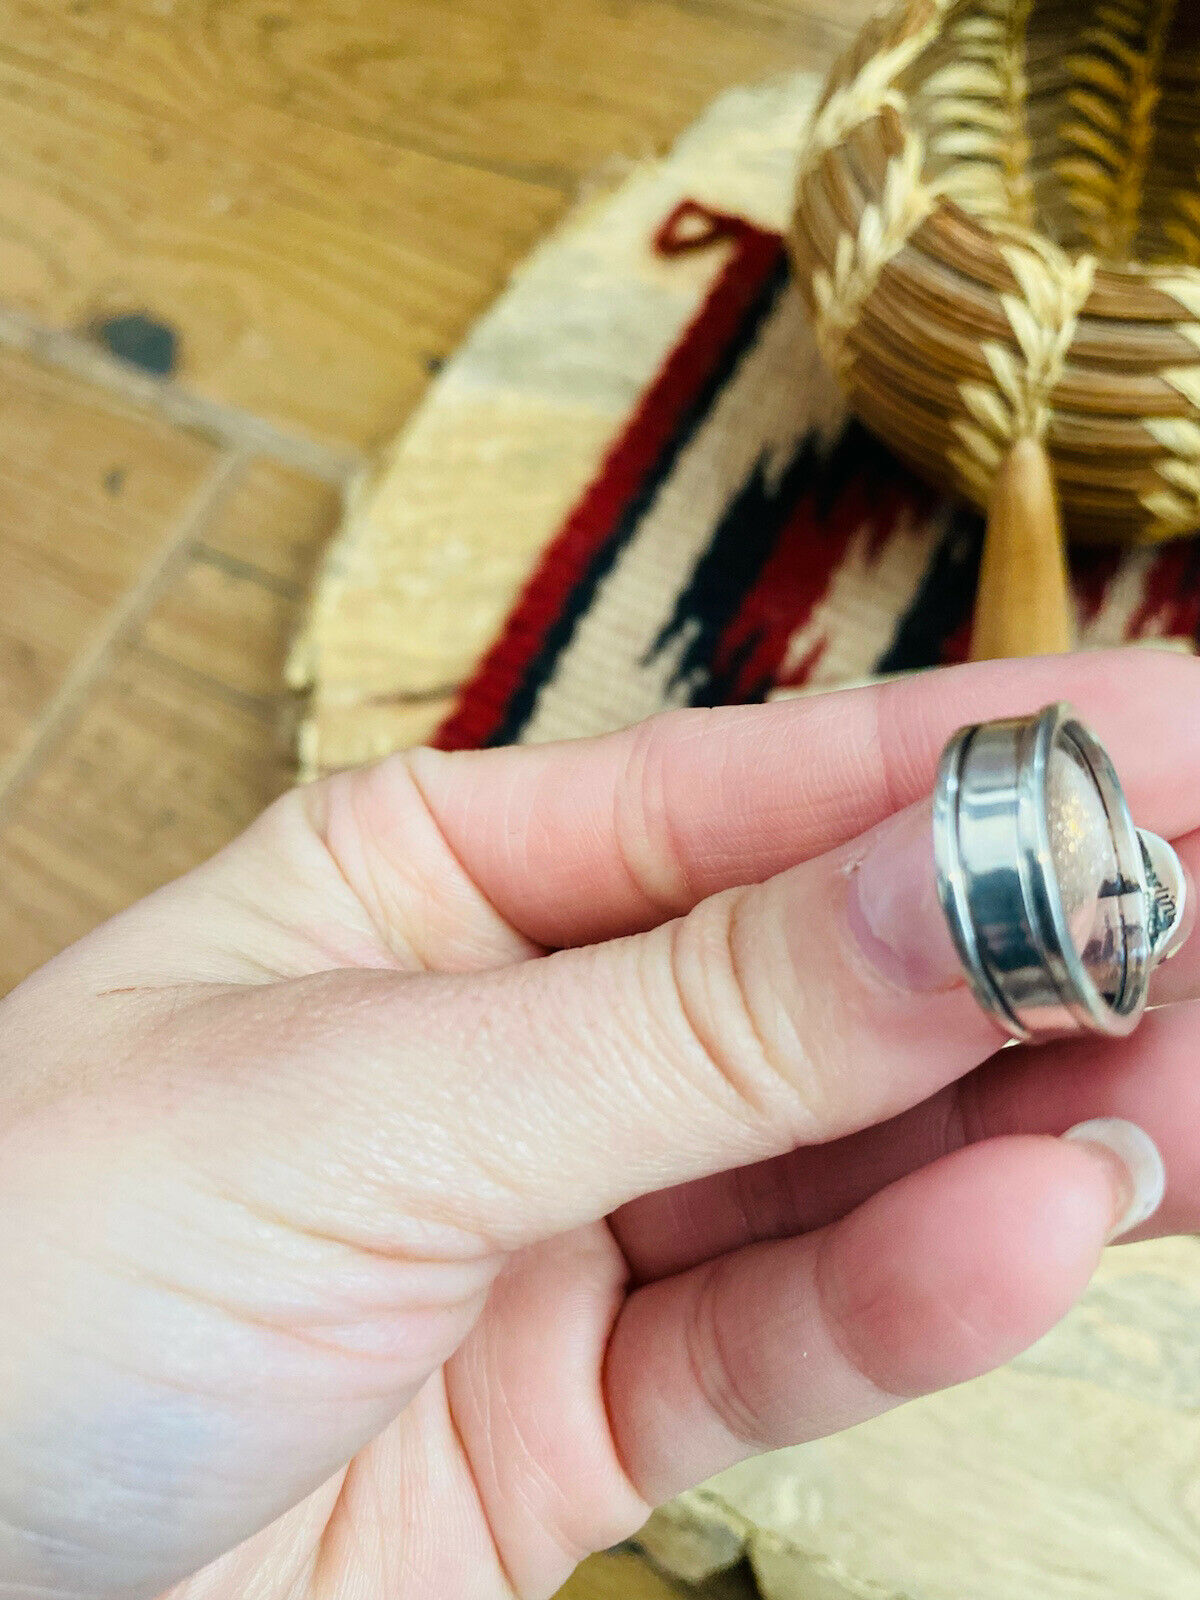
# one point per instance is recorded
(1023, 607)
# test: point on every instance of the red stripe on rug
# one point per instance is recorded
(482, 703)
(793, 582)
(802, 567)
(1092, 572)
(1170, 607)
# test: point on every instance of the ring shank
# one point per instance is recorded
(999, 889)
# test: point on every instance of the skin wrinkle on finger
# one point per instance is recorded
(510, 944)
(780, 1376)
(517, 1450)
(316, 804)
(643, 829)
(772, 1019)
(507, 1586)
(708, 989)
(286, 870)
(386, 841)
(713, 1371)
(841, 1320)
(417, 1463)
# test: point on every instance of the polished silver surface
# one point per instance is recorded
(1058, 906)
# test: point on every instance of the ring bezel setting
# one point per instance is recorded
(1001, 894)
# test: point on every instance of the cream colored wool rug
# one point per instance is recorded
(634, 487)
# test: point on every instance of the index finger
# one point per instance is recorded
(574, 843)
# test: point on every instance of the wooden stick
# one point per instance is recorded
(1023, 606)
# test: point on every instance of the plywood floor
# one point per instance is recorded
(236, 237)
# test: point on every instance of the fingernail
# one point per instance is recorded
(894, 909)
(1133, 1159)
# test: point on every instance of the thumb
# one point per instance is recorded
(516, 1103)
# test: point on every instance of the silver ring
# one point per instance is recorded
(1059, 906)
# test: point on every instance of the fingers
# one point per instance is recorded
(676, 1229)
(1151, 1079)
(546, 1094)
(579, 842)
(524, 1393)
(522, 1101)
(481, 859)
(948, 1273)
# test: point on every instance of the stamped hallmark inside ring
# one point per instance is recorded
(1059, 906)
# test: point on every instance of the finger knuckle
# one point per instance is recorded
(746, 1022)
(650, 847)
(858, 1319)
(723, 1367)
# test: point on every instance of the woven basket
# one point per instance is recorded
(998, 231)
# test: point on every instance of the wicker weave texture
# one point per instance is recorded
(998, 231)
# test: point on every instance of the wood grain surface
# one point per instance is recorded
(288, 215)
(236, 236)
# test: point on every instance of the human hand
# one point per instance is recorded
(318, 1157)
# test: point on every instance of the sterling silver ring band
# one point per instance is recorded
(1060, 908)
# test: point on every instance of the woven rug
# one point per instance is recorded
(636, 487)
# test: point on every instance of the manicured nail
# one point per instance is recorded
(1140, 1179)
(894, 909)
